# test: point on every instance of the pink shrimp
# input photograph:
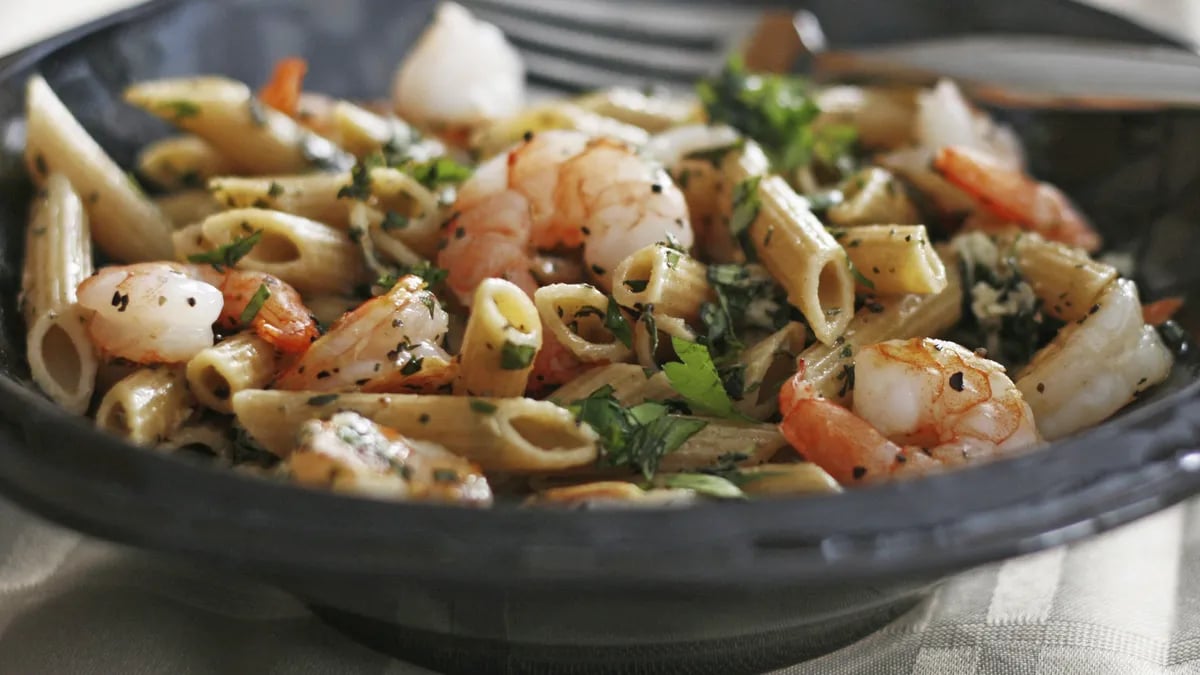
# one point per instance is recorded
(163, 312)
(920, 406)
(1010, 194)
(559, 189)
(389, 343)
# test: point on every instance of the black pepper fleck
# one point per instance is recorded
(859, 472)
(956, 381)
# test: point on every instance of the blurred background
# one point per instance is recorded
(19, 25)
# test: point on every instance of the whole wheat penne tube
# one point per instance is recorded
(831, 367)
(363, 132)
(893, 259)
(186, 208)
(207, 437)
(785, 480)
(310, 256)
(226, 114)
(503, 335)
(241, 362)
(574, 315)
(675, 283)
(873, 196)
(1065, 279)
(181, 163)
(125, 224)
(313, 196)
(767, 364)
(630, 382)
(795, 247)
(58, 256)
(747, 443)
(513, 434)
(148, 406)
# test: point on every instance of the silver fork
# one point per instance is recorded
(574, 45)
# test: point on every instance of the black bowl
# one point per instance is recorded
(728, 588)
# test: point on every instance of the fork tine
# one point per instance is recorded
(706, 26)
(618, 55)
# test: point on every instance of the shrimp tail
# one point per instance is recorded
(281, 319)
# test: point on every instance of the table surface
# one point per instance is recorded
(1127, 602)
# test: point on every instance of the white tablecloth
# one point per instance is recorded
(1124, 603)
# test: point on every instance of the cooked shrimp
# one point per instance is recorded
(560, 189)
(389, 343)
(554, 365)
(920, 405)
(351, 453)
(161, 312)
(1010, 194)
(1095, 366)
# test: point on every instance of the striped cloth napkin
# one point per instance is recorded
(1123, 603)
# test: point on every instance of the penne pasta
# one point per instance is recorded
(765, 366)
(652, 113)
(503, 335)
(311, 257)
(207, 437)
(181, 163)
(502, 134)
(722, 440)
(893, 259)
(673, 283)
(312, 196)
(574, 314)
(786, 480)
(1065, 279)
(148, 406)
(873, 197)
(186, 208)
(513, 434)
(124, 223)
(244, 361)
(831, 367)
(795, 247)
(58, 256)
(256, 139)
(362, 132)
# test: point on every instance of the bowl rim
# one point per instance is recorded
(928, 527)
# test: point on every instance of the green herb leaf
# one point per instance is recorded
(705, 484)
(360, 184)
(615, 321)
(775, 110)
(516, 357)
(858, 275)
(255, 305)
(181, 109)
(394, 221)
(275, 190)
(438, 171)
(412, 367)
(659, 438)
(695, 378)
(432, 274)
(482, 407)
(746, 204)
(322, 399)
(229, 254)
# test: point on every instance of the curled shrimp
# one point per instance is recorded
(920, 406)
(350, 453)
(559, 189)
(1010, 194)
(389, 343)
(163, 312)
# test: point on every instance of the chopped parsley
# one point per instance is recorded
(394, 221)
(639, 436)
(229, 254)
(858, 275)
(322, 399)
(412, 367)
(438, 171)
(482, 407)
(181, 109)
(778, 111)
(432, 274)
(746, 204)
(275, 190)
(516, 357)
(615, 322)
(695, 377)
(360, 184)
(747, 297)
(255, 305)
